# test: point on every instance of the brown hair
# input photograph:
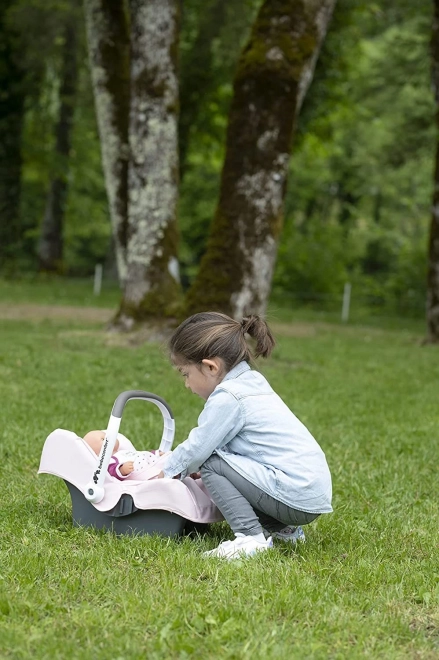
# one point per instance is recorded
(211, 334)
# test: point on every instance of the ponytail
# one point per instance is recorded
(258, 329)
(211, 334)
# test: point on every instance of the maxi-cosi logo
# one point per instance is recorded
(104, 450)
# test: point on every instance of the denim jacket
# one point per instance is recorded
(249, 426)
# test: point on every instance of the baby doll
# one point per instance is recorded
(140, 465)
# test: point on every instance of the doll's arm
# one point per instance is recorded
(126, 468)
(115, 469)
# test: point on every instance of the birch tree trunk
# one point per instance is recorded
(134, 75)
(108, 47)
(152, 282)
(50, 249)
(274, 73)
(433, 246)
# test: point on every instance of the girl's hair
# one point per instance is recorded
(212, 334)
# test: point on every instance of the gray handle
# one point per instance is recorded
(124, 397)
(94, 491)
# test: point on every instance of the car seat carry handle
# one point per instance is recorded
(94, 491)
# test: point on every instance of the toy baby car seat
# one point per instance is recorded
(160, 506)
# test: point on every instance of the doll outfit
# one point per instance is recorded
(147, 464)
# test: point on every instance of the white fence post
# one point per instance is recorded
(97, 285)
(346, 302)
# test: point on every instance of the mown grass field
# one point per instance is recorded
(365, 584)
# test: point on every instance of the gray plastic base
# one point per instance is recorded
(125, 518)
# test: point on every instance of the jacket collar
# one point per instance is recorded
(237, 370)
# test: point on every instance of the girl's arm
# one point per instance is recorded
(220, 421)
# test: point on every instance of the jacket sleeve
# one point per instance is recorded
(220, 421)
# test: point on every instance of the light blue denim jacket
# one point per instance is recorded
(246, 423)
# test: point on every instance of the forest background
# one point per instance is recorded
(358, 202)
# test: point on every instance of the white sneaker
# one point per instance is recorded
(242, 546)
(290, 534)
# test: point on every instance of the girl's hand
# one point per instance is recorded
(195, 475)
(162, 476)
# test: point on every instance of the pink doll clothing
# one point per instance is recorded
(147, 464)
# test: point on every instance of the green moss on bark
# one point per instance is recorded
(164, 299)
(220, 269)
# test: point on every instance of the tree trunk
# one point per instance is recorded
(50, 249)
(136, 93)
(108, 46)
(273, 75)
(152, 285)
(12, 96)
(433, 246)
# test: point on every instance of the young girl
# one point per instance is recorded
(261, 466)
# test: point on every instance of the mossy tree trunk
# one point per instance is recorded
(274, 72)
(12, 97)
(135, 81)
(50, 248)
(108, 47)
(433, 247)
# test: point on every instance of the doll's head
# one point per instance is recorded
(94, 439)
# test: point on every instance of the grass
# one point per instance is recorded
(365, 584)
(54, 290)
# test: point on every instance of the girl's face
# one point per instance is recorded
(202, 378)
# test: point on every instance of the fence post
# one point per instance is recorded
(346, 302)
(97, 284)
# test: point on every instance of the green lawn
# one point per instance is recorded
(365, 584)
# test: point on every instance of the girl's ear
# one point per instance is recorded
(214, 365)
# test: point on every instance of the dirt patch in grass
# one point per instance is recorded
(295, 329)
(154, 332)
(29, 312)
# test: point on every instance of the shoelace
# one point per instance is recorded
(239, 539)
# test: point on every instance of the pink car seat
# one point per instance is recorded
(159, 506)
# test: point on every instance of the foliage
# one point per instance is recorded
(363, 159)
(362, 166)
(87, 229)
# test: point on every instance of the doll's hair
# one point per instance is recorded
(211, 334)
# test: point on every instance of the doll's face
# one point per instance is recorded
(95, 439)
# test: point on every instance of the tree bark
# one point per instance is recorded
(134, 75)
(433, 245)
(12, 97)
(152, 285)
(50, 249)
(108, 46)
(273, 76)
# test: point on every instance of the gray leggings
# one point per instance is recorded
(246, 507)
